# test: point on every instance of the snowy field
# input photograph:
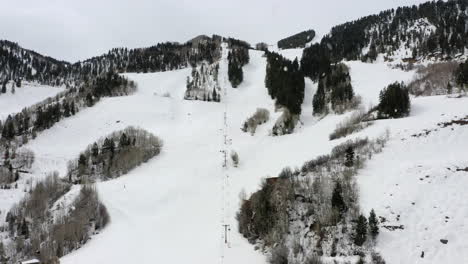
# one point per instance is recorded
(29, 94)
(171, 209)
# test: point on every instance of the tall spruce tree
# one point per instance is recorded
(349, 157)
(373, 224)
(360, 233)
(337, 199)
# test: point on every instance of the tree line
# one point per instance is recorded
(237, 58)
(37, 229)
(17, 63)
(285, 82)
(334, 92)
(298, 40)
(114, 155)
(389, 30)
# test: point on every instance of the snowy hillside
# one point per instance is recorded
(27, 95)
(179, 201)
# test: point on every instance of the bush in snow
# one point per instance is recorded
(394, 101)
(279, 255)
(433, 79)
(114, 155)
(285, 123)
(235, 158)
(377, 258)
(260, 116)
(355, 123)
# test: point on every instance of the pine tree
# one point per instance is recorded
(95, 150)
(318, 102)
(72, 108)
(394, 101)
(4, 89)
(360, 233)
(124, 141)
(361, 261)
(349, 155)
(66, 109)
(449, 88)
(373, 224)
(2, 253)
(337, 199)
(25, 229)
(215, 95)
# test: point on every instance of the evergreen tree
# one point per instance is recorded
(25, 229)
(72, 108)
(82, 161)
(285, 82)
(215, 95)
(337, 199)
(4, 89)
(9, 130)
(349, 156)
(124, 141)
(449, 88)
(318, 102)
(360, 234)
(373, 224)
(89, 100)
(237, 58)
(2, 253)
(394, 101)
(361, 261)
(16, 175)
(66, 109)
(95, 150)
(461, 75)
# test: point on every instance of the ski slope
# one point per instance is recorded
(171, 209)
(28, 94)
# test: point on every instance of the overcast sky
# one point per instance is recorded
(78, 29)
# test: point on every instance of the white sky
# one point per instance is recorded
(78, 29)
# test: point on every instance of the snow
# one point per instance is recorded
(29, 94)
(290, 54)
(368, 79)
(421, 171)
(171, 209)
(32, 261)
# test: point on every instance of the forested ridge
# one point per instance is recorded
(435, 29)
(17, 63)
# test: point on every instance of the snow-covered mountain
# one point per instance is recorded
(217, 194)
